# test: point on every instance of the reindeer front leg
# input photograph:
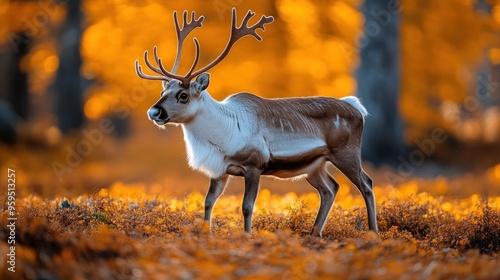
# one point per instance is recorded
(252, 177)
(215, 189)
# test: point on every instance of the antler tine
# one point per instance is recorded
(236, 34)
(166, 76)
(162, 69)
(138, 71)
(196, 57)
(245, 20)
(183, 32)
(157, 59)
(244, 30)
(183, 79)
(146, 59)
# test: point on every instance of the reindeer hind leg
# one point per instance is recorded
(348, 161)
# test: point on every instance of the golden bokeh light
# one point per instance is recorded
(51, 63)
(53, 135)
(496, 13)
(494, 55)
(94, 108)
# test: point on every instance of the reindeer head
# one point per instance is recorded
(180, 99)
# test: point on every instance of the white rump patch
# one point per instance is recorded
(354, 101)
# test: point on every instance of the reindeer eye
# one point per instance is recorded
(183, 97)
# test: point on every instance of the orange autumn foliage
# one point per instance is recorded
(310, 50)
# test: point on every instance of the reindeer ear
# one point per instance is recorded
(201, 82)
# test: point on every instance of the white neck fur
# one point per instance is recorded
(212, 134)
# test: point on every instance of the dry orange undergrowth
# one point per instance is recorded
(125, 233)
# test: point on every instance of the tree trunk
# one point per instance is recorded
(69, 84)
(487, 91)
(14, 97)
(379, 83)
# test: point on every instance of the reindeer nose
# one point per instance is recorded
(157, 113)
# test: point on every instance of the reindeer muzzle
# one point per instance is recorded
(158, 115)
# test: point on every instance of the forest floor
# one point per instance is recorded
(124, 232)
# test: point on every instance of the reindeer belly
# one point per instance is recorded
(295, 157)
(301, 168)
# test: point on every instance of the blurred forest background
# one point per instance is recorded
(73, 112)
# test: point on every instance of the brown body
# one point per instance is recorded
(299, 135)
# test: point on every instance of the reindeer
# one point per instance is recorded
(247, 135)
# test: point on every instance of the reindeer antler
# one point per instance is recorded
(183, 32)
(236, 34)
